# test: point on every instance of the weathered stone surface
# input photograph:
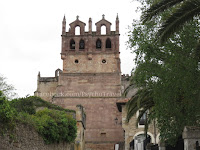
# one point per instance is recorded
(91, 77)
(81, 120)
(26, 138)
(191, 135)
(131, 128)
(100, 146)
(191, 132)
(94, 65)
(100, 117)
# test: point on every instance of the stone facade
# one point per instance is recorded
(91, 77)
(191, 136)
(26, 138)
(81, 124)
(134, 132)
(47, 85)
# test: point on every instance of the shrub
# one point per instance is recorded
(55, 126)
(52, 123)
(7, 113)
(29, 105)
(24, 105)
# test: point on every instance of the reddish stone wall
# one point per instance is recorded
(26, 138)
(100, 146)
(89, 85)
(101, 114)
(94, 65)
(86, 80)
(90, 43)
(90, 58)
(98, 94)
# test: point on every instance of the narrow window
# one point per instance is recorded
(108, 43)
(81, 44)
(143, 118)
(98, 44)
(72, 44)
(103, 30)
(77, 30)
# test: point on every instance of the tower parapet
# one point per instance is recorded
(90, 51)
(70, 35)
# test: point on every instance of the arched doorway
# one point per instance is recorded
(140, 141)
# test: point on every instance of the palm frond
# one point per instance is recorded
(141, 100)
(131, 107)
(184, 14)
(131, 86)
(158, 8)
(142, 112)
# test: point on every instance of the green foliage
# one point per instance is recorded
(31, 103)
(7, 89)
(142, 100)
(7, 114)
(171, 71)
(55, 126)
(182, 11)
(25, 105)
(53, 123)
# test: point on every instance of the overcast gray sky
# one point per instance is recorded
(30, 32)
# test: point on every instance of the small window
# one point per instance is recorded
(76, 61)
(81, 44)
(103, 61)
(143, 119)
(108, 43)
(72, 44)
(98, 44)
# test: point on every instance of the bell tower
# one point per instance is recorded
(90, 52)
(91, 77)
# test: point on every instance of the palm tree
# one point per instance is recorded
(142, 100)
(185, 10)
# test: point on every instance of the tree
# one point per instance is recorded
(171, 71)
(7, 89)
(183, 12)
(7, 114)
(142, 101)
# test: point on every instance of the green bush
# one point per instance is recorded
(55, 126)
(24, 105)
(29, 105)
(7, 114)
(53, 123)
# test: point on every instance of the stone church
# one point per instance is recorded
(91, 77)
